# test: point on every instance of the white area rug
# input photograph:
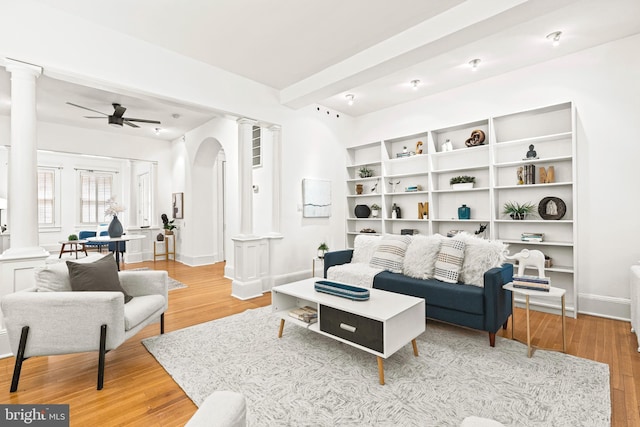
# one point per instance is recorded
(306, 379)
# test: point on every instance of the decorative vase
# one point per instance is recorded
(362, 211)
(115, 227)
(359, 188)
(375, 213)
(518, 216)
(160, 237)
(464, 212)
(462, 186)
(168, 232)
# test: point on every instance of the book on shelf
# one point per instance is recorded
(306, 314)
(532, 282)
(532, 237)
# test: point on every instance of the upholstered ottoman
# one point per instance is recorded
(221, 409)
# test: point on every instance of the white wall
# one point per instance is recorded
(603, 84)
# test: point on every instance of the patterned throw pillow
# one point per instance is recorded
(449, 262)
(389, 254)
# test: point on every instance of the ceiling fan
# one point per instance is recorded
(116, 119)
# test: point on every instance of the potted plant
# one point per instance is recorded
(462, 182)
(518, 211)
(375, 210)
(322, 249)
(365, 172)
(168, 225)
(72, 237)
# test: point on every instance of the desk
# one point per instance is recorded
(117, 240)
(73, 247)
(553, 293)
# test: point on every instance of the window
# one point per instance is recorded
(256, 146)
(95, 190)
(46, 197)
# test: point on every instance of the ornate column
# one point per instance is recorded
(23, 163)
(250, 253)
(17, 262)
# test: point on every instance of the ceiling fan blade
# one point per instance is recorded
(130, 124)
(141, 120)
(118, 110)
(93, 117)
(85, 108)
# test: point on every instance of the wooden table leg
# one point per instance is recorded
(61, 250)
(415, 347)
(528, 329)
(513, 313)
(564, 327)
(381, 370)
(84, 249)
(281, 328)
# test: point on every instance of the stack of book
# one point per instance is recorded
(306, 314)
(529, 174)
(532, 237)
(532, 282)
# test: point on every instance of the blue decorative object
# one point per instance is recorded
(340, 289)
(464, 212)
(115, 227)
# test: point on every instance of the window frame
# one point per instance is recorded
(99, 211)
(56, 210)
(257, 138)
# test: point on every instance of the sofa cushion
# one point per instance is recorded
(421, 255)
(480, 255)
(101, 275)
(468, 299)
(449, 261)
(389, 254)
(55, 277)
(363, 248)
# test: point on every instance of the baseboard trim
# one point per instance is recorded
(603, 306)
(198, 260)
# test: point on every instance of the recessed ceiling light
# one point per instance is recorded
(554, 37)
(415, 84)
(474, 63)
(350, 97)
(157, 131)
(175, 115)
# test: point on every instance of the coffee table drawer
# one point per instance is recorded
(352, 327)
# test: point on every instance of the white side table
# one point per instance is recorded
(553, 293)
(320, 262)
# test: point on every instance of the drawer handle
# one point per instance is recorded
(347, 327)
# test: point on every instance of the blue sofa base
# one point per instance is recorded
(486, 309)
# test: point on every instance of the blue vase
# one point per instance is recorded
(115, 227)
(464, 212)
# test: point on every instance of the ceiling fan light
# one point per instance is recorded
(555, 38)
(115, 121)
(474, 63)
(415, 84)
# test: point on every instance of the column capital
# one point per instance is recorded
(275, 128)
(13, 65)
(246, 121)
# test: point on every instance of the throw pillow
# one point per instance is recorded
(101, 275)
(420, 259)
(449, 260)
(480, 255)
(363, 248)
(389, 254)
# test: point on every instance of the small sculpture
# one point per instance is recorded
(374, 189)
(481, 230)
(528, 257)
(531, 154)
(477, 138)
(393, 185)
(423, 210)
(520, 176)
(543, 175)
(419, 147)
(447, 146)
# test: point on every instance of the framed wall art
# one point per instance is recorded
(316, 198)
(178, 205)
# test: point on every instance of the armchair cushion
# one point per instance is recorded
(55, 277)
(141, 308)
(101, 275)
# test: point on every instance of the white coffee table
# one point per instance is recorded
(381, 325)
(553, 293)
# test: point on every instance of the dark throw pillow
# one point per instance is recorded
(101, 275)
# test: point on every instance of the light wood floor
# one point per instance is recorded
(138, 392)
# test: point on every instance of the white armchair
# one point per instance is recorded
(42, 322)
